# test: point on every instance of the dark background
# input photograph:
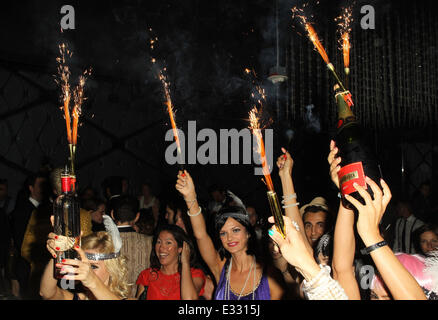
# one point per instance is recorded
(206, 45)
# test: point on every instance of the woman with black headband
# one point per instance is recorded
(238, 273)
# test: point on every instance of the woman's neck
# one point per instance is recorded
(242, 261)
(170, 268)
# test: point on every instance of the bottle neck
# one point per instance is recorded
(345, 103)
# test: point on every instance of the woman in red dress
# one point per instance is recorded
(171, 275)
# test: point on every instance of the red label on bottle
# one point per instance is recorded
(340, 123)
(348, 99)
(73, 183)
(350, 174)
(66, 184)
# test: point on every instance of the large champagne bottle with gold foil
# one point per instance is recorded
(66, 210)
(357, 158)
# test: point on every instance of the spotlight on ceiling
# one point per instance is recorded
(277, 74)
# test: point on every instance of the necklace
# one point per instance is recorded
(227, 289)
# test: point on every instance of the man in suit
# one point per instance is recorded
(33, 198)
(136, 247)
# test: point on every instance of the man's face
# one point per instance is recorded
(39, 190)
(3, 191)
(218, 196)
(314, 225)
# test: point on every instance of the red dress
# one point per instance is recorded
(163, 286)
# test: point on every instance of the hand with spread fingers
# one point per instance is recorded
(372, 212)
(294, 248)
(334, 163)
(79, 270)
(285, 163)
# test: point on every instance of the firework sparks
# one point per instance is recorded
(344, 29)
(63, 81)
(254, 120)
(78, 95)
(170, 108)
(312, 35)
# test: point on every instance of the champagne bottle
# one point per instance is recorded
(66, 210)
(357, 158)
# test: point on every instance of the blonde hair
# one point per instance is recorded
(103, 243)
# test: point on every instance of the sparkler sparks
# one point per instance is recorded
(344, 29)
(170, 108)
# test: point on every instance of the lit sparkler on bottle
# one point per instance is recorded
(274, 203)
(344, 29)
(311, 33)
(78, 99)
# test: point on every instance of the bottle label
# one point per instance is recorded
(66, 184)
(350, 174)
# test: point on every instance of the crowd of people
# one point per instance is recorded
(178, 247)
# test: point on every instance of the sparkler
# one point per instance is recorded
(311, 33)
(78, 97)
(344, 29)
(170, 108)
(274, 203)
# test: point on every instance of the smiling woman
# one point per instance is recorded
(239, 273)
(172, 275)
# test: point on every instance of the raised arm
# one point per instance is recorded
(344, 241)
(285, 164)
(190, 287)
(186, 187)
(399, 281)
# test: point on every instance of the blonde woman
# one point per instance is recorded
(101, 271)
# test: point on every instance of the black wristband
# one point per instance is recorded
(369, 249)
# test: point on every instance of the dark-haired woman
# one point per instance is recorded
(171, 275)
(238, 272)
(426, 239)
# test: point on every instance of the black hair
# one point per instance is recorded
(328, 216)
(416, 235)
(125, 208)
(180, 237)
(252, 246)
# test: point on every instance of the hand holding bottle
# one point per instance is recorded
(79, 270)
(372, 212)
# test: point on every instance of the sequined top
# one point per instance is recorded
(261, 292)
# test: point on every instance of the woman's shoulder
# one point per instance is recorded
(145, 276)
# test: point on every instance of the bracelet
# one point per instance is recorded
(194, 215)
(291, 205)
(192, 203)
(290, 196)
(373, 247)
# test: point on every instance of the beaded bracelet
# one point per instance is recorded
(291, 205)
(290, 196)
(194, 215)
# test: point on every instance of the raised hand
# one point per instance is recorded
(372, 212)
(334, 163)
(285, 163)
(79, 269)
(185, 254)
(294, 248)
(185, 185)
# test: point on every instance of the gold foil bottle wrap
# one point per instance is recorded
(274, 203)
